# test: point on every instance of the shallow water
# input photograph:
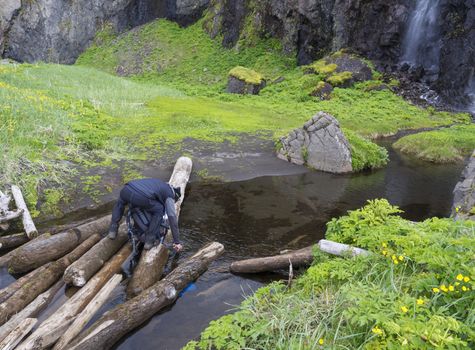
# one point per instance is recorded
(264, 215)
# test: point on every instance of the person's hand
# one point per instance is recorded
(178, 247)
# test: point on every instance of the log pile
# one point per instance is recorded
(80, 256)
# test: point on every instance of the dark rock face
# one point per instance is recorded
(320, 145)
(457, 56)
(464, 193)
(323, 91)
(58, 30)
(238, 86)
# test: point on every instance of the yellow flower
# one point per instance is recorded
(443, 288)
(459, 277)
(385, 252)
(396, 262)
(464, 288)
(420, 302)
(394, 257)
(436, 290)
(457, 209)
(376, 330)
(404, 309)
(384, 245)
(466, 279)
(401, 257)
(320, 341)
(451, 288)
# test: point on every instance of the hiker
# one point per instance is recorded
(149, 202)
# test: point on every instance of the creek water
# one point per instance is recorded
(264, 215)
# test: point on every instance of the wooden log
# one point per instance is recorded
(85, 316)
(32, 310)
(4, 208)
(11, 341)
(152, 262)
(8, 291)
(12, 241)
(340, 249)
(40, 251)
(84, 268)
(10, 215)
(301, 257)
(28, 224)
(5, 259)
(55, 326)
(124, 318)
(44, 280)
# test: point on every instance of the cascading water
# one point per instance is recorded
(422, 42)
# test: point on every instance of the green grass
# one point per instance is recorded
(440, 146)
(414, 291)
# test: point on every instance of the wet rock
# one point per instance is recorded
(359, 69)
(319, 144)
(323, 91)
(464, 193)
(245, 81)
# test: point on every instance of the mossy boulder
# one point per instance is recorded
(322, 91)
(243, 80)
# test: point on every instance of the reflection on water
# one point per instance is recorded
(265, 215)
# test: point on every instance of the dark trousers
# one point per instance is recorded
(128, 196)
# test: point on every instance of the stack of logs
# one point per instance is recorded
(81, 257)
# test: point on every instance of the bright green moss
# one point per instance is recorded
(340, 79)
(248, 75)
(322, 67)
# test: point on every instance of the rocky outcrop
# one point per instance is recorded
(319, 144)
(244, 81)
(58, 30)
(464, 193)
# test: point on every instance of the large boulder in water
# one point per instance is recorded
(464, 193)
(319, 144)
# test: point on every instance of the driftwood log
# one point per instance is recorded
(54, 327)
(5, 259)
(8, 291)
(44, 280)
(301, 257)
(28, 224)
(152, 262)
(11, 341)
(32, 310)
(84, 268)
(85, 316)
(124, 318)
(12, 241)
(5, 213)
(40, 250)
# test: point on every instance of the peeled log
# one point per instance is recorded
(28, 223)
(301, 257)
(40, 251)
(85, 316)
(32, 310)
(84, 268)
(124, 318)
(55, 325)
(44, 280)
(152, 262)
(13, 241)
(18, 334)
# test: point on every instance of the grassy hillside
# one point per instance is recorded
(415, 291)
(58, 120)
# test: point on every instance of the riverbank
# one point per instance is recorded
(77, 132)
(401, 295)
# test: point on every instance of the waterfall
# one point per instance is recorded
(422, 42)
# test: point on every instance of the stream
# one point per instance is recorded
(261, 216)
